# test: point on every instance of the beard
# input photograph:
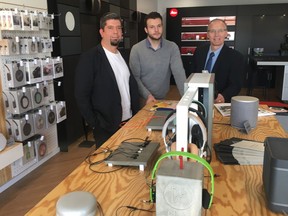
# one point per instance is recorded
(155, 38)
(114, 42)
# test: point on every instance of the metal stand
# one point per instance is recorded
(86, 143)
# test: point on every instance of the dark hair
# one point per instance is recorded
(217, 19)
(109, 16)
(152, 15)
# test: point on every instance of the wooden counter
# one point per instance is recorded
(238, 190)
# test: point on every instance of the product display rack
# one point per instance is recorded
(27, 90)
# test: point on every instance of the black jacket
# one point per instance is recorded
(97, 92)
(229, 70)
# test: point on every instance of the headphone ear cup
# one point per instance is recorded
(173, 138)
(197, 136)
(168, 120)
(205, 198)
(153, 194)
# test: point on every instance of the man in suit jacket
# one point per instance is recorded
(227, 64)
(105, 90)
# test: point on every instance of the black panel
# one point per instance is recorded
(70, 45)
(72, 128)
(92, 7)
(105, 7)
(115, 9)
(64, 20)
(68, 2)
(90, 35)
(124, 13)
(115, 2)
(141, 25)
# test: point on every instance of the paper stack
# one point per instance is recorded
(239, 151)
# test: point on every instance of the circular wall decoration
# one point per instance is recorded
(70, 21)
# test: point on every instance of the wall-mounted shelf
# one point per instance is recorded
(202, 36)
(204, 21)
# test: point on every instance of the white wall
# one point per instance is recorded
(35, 4)
(146, 6)
(163, 4)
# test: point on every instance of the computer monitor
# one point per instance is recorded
(195, 83)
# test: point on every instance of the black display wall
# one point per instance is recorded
(67, 31)
(70, 43)
(252, 29)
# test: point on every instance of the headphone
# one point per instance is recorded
(24, 101)
(9, 76)
(206, 197)
(27, 128)
(19, 75)
(51, 116)
(6, 100)
(198, 131)
(9, 129)
(16, 129)
(39, 120)
(13, 101)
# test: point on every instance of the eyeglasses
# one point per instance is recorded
(213, 31)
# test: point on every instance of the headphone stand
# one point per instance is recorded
(86, 143)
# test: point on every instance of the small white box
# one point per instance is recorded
(61, 111)
(26, 20)
(28, 152)
(58, 70)
(20, 100)
(47, 69)
(23, 127)
(34, 21)
(37, 95)
(39, 118)
(14, 73)
(51, 116)
(33, 71)
(40, 148)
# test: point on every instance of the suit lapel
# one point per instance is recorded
(218, 60)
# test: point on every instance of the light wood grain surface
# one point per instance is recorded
(238, 189)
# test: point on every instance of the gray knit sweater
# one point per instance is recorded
(152, 68)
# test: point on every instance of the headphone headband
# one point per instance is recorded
(197, 120)
(191, 156)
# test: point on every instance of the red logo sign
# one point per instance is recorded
(173, 12)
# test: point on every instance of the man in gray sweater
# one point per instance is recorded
(154, 59)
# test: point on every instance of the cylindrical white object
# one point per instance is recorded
(244, 108)
(77, 203)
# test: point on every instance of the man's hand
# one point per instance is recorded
(150, 99)
(219, 99)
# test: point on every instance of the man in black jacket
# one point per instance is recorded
(227, 64)
(105, 90)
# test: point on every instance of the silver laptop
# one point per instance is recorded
(158, 119)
